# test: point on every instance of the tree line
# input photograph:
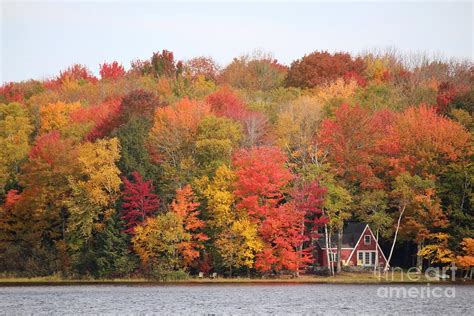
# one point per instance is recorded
(185, 167)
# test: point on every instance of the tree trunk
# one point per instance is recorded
(339, 249)
(327, 249)
(394, 239)
(300, 248)
(376, 251)
(419, 259)
(63, 222)
(332, 254)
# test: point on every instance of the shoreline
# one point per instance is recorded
(344, 279)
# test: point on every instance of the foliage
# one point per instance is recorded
(94, 190)
(352, 142)
(171, 240)
(258, 72)
(437, 251)
(139, 201)
(15, 130)
(157, 241)
(202, 66)
(111, 71)
(56, 116)
(76, 72)
(467, 260)
(322, 67)
(216, 139)
(226, 170)
(296, 128)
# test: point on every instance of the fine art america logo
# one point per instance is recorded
(414, 274)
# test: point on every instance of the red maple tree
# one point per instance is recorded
(111, 71)
(352, 140)
(139, 201)
(320, 68)
(260, 191)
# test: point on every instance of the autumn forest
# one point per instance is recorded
(171, 168)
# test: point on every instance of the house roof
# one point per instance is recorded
(350, 236)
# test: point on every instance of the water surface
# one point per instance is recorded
(230, 299)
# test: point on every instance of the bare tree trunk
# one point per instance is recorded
(339, 249)
(376, 251)
(230, 265)
(394, 239)
(419, 259)
(300, 251)
(327, 248)
(332, 254)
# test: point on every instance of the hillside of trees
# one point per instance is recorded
(186, 167)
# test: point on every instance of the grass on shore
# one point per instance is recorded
(342, 278)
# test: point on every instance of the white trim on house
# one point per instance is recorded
(370, 240)
(357, 243)
(377, 244)
(372, 258)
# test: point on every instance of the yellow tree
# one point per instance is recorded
(296, 128)
(172, 240)
(467, 260)
(34, 224)
(220, 212)
(234, 235)
(56, 116)
(339, 89)
(437, 250)
(239, 244)
(157, 242)
(95, 190)
(15, 129)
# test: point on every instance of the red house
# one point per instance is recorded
(359, 248)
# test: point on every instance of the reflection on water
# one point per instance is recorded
(235, 299)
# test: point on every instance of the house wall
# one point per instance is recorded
(362, 246)
(323, 258)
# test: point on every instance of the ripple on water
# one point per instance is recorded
(228, 299)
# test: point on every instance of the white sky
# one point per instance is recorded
(38, 39)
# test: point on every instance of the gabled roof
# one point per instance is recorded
(350, 236)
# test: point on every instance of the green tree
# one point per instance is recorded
(373, 206)
(134, 155)
(216, 138)
(337, 204)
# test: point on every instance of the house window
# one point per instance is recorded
(366, 258)
(333, 256)
(367, 240)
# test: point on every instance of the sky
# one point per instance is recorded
(38, 39)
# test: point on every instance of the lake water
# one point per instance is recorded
(237, 299)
